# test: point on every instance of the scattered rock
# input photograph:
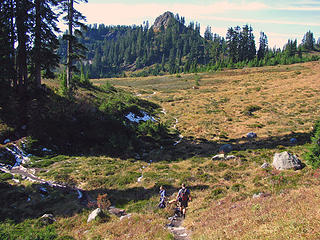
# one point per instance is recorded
(260, 195)
(48, 219)
(93, 215)
(125, 217)
(257, 195)
(265, 165)
(251, 135)
(218, 157)
(116, 211)
(286, 160)
(293, 140)
(229, 157)
(225, 148)
(46, 150)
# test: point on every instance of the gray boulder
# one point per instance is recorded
(251, 135)
(93, 215)
(286, 160)
(293, 140)
(226, 148)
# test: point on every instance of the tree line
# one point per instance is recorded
(29, 41)
(115, 50)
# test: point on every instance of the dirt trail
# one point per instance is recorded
(179, 232)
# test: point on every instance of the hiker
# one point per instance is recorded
(183, 197)
(162, 192)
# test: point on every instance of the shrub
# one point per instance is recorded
(250, 109)
(237, 187)
(313, 154)
(107, 87)
(218, 193)
(5, 176)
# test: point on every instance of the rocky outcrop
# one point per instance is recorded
(162, 20)
(286, 160)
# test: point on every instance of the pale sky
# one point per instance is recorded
(279, 20)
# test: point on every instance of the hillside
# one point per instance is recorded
(171, 46)
(204, 111)
(166, 46)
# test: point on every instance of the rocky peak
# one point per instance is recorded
(162, 20)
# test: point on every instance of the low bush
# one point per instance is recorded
(5, 176)
(250, 109)
(313, 154)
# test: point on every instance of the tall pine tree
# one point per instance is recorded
(45, 41)
(73, 19)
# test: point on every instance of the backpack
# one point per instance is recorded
(184, 195)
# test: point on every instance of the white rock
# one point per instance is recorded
(125, 216)
(286, 160)
(93, 215)
(229, 157)
(218, 157)
(257, 195)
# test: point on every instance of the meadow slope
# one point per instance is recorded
(207, 110)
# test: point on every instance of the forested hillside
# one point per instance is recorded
(174, 47)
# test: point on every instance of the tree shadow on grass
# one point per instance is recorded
(19, 202)
(191, 147)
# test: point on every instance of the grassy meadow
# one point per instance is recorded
(208, 110)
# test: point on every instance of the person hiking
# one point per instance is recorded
(183, 197)
(162, 192)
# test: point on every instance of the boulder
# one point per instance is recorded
(125, 217)
(218, 157)
(116, 211)
(293, 140)
(286, 160)
(47, 219)
(225, 148)
(251, 135)
(93, 215)
(229, 157)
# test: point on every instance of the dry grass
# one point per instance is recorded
(286, 94)
(137, 227)
(294, 215)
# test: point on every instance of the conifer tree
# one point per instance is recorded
(73, 19)
(208, 34)
(263, 45)
(308, 41)
(7, 40)
(45, 40)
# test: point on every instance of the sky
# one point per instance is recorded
(279, 20)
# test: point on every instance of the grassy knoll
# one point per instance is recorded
(209, 110)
